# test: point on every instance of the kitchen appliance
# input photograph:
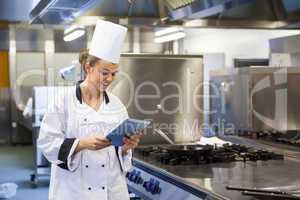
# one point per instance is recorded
(191, 171)
(205, 154)
(198, 172)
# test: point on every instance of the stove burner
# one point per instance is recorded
(187, 149)
(189, 154)
(204, 154)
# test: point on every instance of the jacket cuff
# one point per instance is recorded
(74, 159)
(66, 151)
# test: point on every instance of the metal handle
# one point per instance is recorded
(164, 135)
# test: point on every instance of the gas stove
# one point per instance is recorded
(199, 172)
(195, 154)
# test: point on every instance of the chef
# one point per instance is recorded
(85, 166)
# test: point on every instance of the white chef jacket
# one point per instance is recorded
(86, 175)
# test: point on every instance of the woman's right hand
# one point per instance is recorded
(92, 143)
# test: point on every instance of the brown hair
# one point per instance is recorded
(85, 57)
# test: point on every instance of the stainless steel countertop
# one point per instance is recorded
(215, 177)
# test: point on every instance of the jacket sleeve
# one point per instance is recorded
(52, 141)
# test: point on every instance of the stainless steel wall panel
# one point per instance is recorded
(229, 105)
(263, 102)
(173, 82)
(285, 44)
(293, 102)
(147, 44)
(267, 102)
(263, 99)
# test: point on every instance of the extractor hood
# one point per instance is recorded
(60, 11)
(233, 9)
(223, 13)
(240, 13)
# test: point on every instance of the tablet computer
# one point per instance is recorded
(127, 128)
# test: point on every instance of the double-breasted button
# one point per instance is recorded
(103, 188)
(102, 165)
(89, 188)
(86, 166)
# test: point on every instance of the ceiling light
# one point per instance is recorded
(168, 34)
(73, 33)
(169, 37)
(165, 31)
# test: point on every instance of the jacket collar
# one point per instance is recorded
(79, 95)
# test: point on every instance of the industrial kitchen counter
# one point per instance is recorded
(215, 177)
(208, 180)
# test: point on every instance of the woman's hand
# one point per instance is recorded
(131, 143)
(92, 143)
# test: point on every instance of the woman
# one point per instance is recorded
(72, 136)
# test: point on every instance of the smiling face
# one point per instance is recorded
(101, 74)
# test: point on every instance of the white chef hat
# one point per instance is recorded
(107, 41)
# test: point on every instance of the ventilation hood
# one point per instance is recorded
(167, 12)
(60, 11)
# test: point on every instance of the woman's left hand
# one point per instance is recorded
(131, 143)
